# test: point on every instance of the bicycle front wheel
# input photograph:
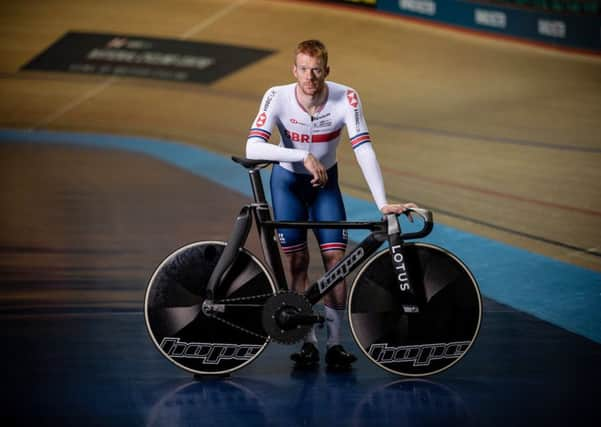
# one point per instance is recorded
(215, 343)
(415, 344)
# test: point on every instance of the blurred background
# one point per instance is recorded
(117, 120)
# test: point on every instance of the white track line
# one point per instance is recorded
(212, 19)
(75, 103)
(107, 83)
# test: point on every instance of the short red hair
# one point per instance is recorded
(314, 48)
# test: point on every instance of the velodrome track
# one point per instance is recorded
(104, 176)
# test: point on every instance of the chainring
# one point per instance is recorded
(286, 299)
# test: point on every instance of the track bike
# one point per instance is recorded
(211, 307)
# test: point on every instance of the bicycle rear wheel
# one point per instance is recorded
(207, 344)
(415, 344)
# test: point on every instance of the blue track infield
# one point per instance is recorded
(562, 294)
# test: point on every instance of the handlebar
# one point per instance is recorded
(426, 216)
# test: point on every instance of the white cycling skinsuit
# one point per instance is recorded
(301, 133)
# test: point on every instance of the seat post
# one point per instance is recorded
(257, 185)
(267, 234)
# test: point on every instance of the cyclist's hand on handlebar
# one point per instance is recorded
(399, 209)
(317, 169)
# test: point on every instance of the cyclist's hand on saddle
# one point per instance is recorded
(399, 209)
(317, 169)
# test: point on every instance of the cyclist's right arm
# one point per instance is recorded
(257, 144)
(259, 148)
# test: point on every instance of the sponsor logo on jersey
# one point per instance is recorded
(297, 137)
(351, 95)
(268, 100)
(324, 124)
(296, 122)
(261, 119)
(321, 123)
(303, 137)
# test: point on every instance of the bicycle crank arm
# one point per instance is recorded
(289, 318)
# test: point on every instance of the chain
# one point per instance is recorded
(233, 325)
(262, 296)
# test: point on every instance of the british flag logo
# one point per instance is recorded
(352, 98)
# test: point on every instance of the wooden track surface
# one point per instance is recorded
(499, 139)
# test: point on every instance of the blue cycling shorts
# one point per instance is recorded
(295, 199)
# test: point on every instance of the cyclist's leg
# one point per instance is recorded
(328, 206)
(288, 205)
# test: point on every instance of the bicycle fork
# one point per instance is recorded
(408, 297)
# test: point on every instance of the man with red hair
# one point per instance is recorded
(310, 114)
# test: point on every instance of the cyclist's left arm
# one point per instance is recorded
(364, 152)
(366, 157)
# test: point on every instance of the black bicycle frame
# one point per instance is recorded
(387, 229)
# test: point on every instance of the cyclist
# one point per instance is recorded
(310, 114)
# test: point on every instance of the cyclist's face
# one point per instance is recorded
(310, 73)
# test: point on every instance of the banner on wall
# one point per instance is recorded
(563, 30)
(144, 57)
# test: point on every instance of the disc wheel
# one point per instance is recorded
(415, 344)
(213, 343)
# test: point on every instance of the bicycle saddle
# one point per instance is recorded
(251, 164)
